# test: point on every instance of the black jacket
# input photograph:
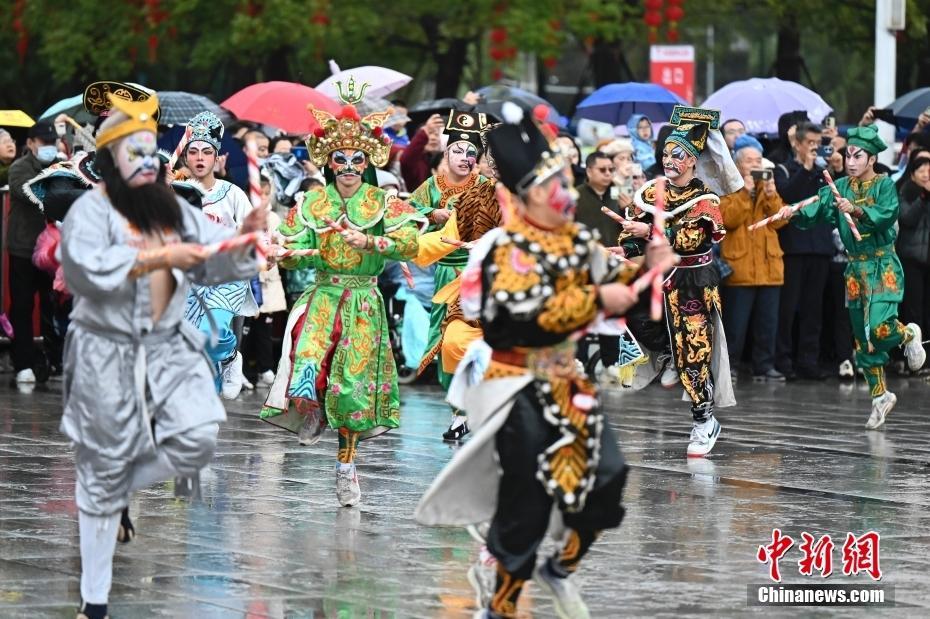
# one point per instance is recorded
(589, 213)
(26, 220)
(795, 183)
(914, 223)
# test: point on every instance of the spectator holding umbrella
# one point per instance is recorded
(750, 294)
(913, 245)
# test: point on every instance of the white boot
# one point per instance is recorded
(348, 492)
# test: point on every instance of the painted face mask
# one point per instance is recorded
(348, 162)
(201, 159)
(462, 157)
(562, 196)
(675, 160)
(857, 161)
(137, 159)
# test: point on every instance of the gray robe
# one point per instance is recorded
(131, 384)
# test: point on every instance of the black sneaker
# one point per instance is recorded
(456, 433)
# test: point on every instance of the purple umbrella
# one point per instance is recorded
(615, 103)
(758, 102)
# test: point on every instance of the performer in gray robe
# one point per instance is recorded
(139, 398)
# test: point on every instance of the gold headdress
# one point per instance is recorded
(349, 130)
(136, 116)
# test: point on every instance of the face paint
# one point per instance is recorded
(348, 163)
(462, 158)
(136, 158)
(562, 196)
(857, 161)
(201, 159)
(675, 160)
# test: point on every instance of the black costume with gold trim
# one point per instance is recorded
(691, 291)
(539, 286)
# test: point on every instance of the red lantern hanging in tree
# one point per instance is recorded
(674, 13)
(22, 34)
(652, 16)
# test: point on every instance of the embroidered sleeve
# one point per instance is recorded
(431, 246)
(880, 208)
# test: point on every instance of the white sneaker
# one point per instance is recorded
(847, 370)
(248, 386)
(483, 579)
(914, 350)
(565, 596)
(703, 437)
(881, 407)
(266, 378)
(232, 378)
(609, 376)
(348, 492)
(670, 376)
(25, 377)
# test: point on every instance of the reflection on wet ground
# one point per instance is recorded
(269, 540)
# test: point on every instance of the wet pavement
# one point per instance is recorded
(270, 541)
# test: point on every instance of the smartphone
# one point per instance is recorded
(927, 111)
(884, 115)
(761, 175)
(829, 122)
(301, 153)
(826, 147)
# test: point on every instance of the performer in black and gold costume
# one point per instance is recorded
(693, 223)
(538, 435)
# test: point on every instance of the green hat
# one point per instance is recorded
(866, 138)
(690, 136)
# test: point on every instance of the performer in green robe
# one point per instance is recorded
(336, 364)
(874, 278)
(435, 199)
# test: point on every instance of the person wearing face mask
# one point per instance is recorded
(227, 205)
(139, 403)
(337, 367)
(874, 275)
(435, 199)
(533, 282)
(692, 299)
(24, 225)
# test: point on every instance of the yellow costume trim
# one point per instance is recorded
(141, 118)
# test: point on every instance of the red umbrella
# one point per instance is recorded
(280, 104)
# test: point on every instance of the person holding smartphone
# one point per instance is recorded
(750, 294)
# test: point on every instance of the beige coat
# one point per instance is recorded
(273, 299)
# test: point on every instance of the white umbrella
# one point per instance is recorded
(381, 80)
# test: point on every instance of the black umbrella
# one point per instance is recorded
(179, 107)
(420, 112)
(910, 106)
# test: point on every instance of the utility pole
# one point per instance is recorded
(889, 16)
(709, 75)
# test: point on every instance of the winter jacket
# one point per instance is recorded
(414, 161)
(914, 223)
(26, 220)
(643, 150)
(795, 183)
(755, 257)
(588, 212)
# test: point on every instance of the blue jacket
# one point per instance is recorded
(643, 150)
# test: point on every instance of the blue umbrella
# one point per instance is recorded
(615, 103)
(69, 106)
